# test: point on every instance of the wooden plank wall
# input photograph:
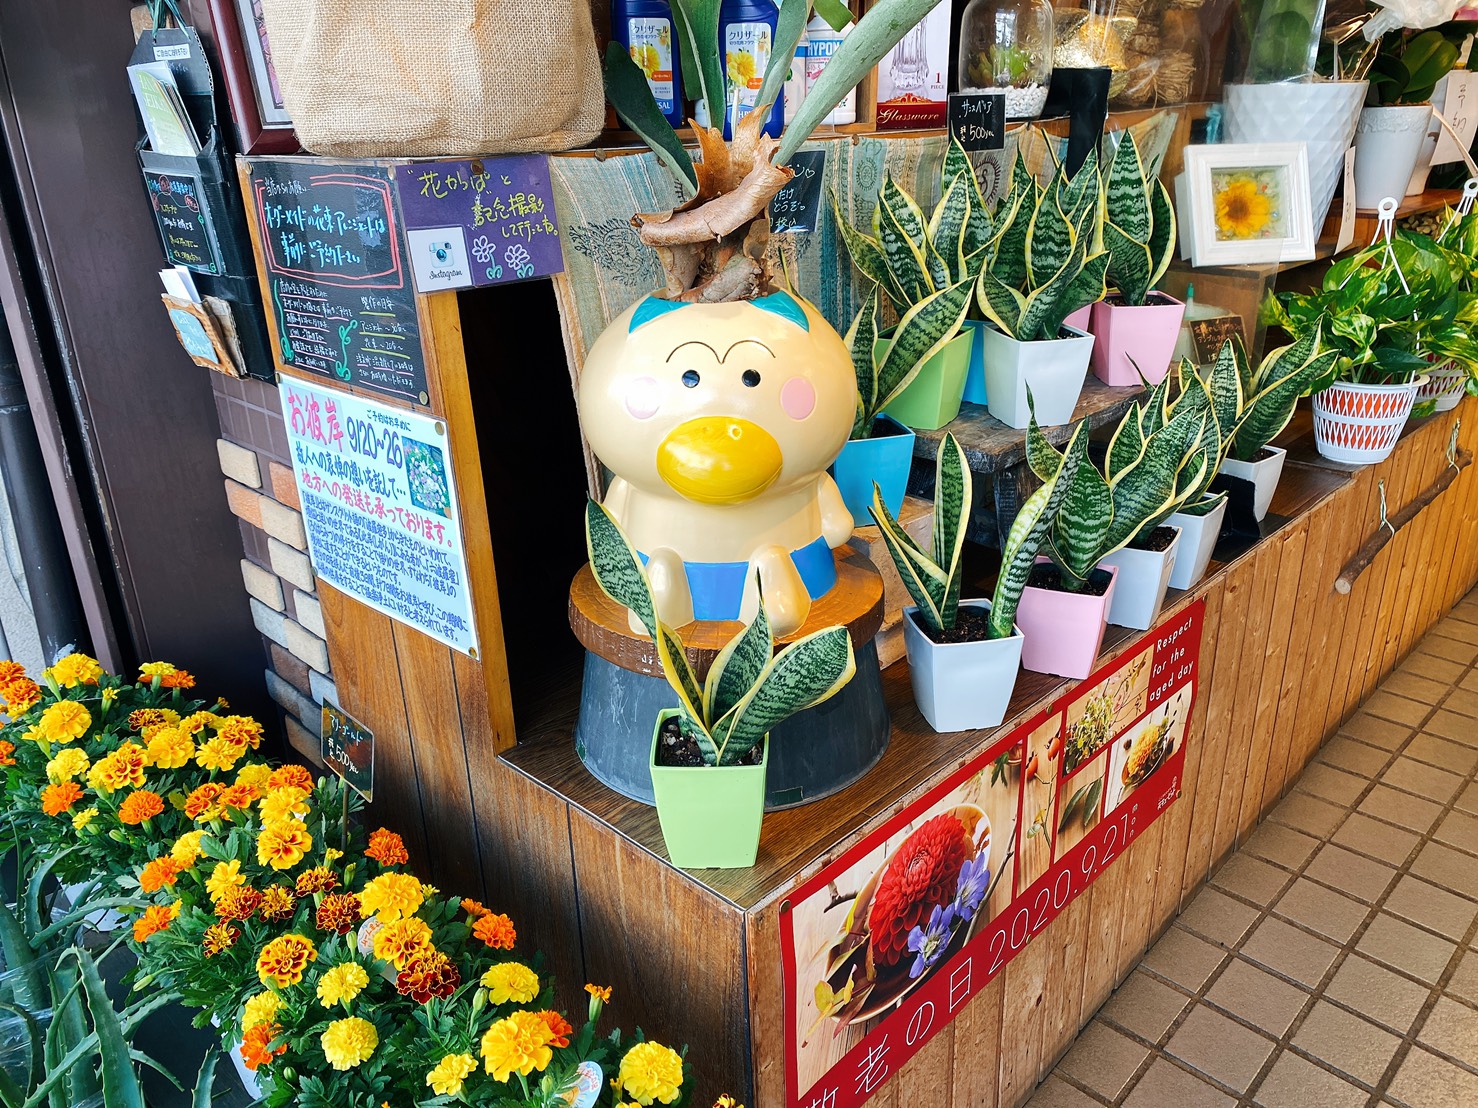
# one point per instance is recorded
(1286, 660)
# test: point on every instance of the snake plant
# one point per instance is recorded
(1138, 226)
(1046, 260)
(750, 688)
(1266, 395)
(933, 580)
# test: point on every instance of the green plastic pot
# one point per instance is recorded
(932, 399)
(710, 815)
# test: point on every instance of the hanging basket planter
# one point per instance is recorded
(1446, 383)
(1359, 424)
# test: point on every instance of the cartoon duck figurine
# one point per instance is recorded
(719, 422)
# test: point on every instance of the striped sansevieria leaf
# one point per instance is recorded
(1127, 443)
(947, 225)
(1147, 491)
(903, 251)
(999, 302)
(1225, 384)
(737, 667)
(1284, 375)
(1139, 224)
(867, 256)
(921, 333)
(1050, 238)
(1128, 199)
(862, 343)
(1085, 512)
(924, 579)
(616, 565)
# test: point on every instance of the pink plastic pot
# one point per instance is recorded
(1063, 630)
(1080, 319)
(1145, 333)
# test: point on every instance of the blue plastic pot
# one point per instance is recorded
(884, 458)
(975, 375)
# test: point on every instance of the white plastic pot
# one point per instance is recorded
(247, 1076)
(1360, 424)
(1264, 475)
(1387, 142)
(1198, 535)
(104, 921)
(1144, 577)
(1446, 385)
(1053, 369)
(961, 686)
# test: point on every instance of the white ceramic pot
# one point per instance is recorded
(1198, 535)
(1418, 183)
(1321, 114)
(1144, 577)
(961, 686)
(1360, 424)
(1264, 475)
(1387, 142)
(1446, 385)
(1053, 369)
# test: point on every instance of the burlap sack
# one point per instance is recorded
(388, 78)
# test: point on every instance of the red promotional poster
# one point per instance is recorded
(883, 947)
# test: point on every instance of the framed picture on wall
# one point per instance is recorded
(263, 125)
(1245, 203)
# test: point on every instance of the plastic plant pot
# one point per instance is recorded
(1264, 475)
(1063, 631)
(884, 458)
(933, 398)
(1360, 424)
(1143, 579)
(710, 815)
(1053, 369)
(961, 686)
(1198, 535)
(1126, 336)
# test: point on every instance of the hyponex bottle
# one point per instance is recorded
(644, 27)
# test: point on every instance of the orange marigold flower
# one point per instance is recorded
(427, 974)
(256, 1049)
(197, 722)
(157, 874)
(242, 732)
(319, 879)
(278, 904)
(474, 909)
(291, 777)
(237, 903)
(20, 695)
(219, 937)
(155, 919)
(559, 1028)
(140, 718)
(496, 931)
(140, 805)
(59, 798)
(7, 753)
(339, 913)
(240, 797)
(10, 671)
(284, 960)
(601, 993)
(387, 848)
(201, 804)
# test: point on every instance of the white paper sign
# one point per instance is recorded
(1459, 108)
(1347, 211)
(380, 508)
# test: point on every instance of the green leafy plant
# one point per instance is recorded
(933, 580)
(1270, 392)
(1282, 38)
(1046, 258)
(1139, 224)
(750, 688)
(1409, 64)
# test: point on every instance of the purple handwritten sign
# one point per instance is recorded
(479, 221)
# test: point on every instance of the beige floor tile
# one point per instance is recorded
(1166, 1085)
(1283, 845)
(1377, 839)
(1468, 799)
(1376, 731)
(1410, 949)
(1451, 725)
(1308, 814)
(1343, 752)
(1443, 753)
(1214, 915)
(1436, 785)
(1450, 868)
(1351, 873)
(1426, 1081)
(1057, 1093)
(1464, 980)
(1469, 680)
(1377, 993)
(1461, 830)
(1294, 1082)
(1421, 689)
(1452, 1029)
(1438, 669)
(1462, 701)
(1285, 949)
(1331, 784)
(1220, 1048)
(1350, 1044)
(1251, 878)
(1455, 627)
(1250, 992)
(1144, 1005)
(1183, 958)
(1440, 647)
(1103, 1059)
(1400, 808)
(1395, 708)
(1436, 909)
(1322, 910)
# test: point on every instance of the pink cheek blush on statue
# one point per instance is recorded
(642, 398)
(798, 398)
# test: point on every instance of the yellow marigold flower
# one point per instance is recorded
(399, 942)
(510, 981)
(64, 721)
(239, 797)
(601, 993)
(342, 984)
(122, 769)
(726, 1101)
(278, 904)
(20, 695)
(242, 733)
(332, 855)
(391, 896)
(447, 1078)
(349, 1042)
(168, 676)
(226, 875)
(83, 818)
(69, 762)
(109, 695)
(10, 670)
(282, 845)
(74, 670)
(283, 803)
(218, 754)
(651, 1071)
(258, 775)
(186, 850)
(517, 1044)
(171, 748)
(197, 722)
(260, 1009)
(219, 937)
(283, 960)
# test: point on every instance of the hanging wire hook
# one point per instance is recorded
(1384, 519)
(1464, 206)
(1452, 443)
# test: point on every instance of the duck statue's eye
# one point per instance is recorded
(691, 378)
(750, 378)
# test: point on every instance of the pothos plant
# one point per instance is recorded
(750, 688)
(1138, 226)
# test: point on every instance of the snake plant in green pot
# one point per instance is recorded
(1045, 262)
(1135, 328)
(963, 655)
(710, 752)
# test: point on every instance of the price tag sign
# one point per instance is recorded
(797, 206)
(978, 119)
(348, 748)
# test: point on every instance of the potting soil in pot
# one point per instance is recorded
(677, 750)
(1048, 576)
(1159, 539)
(971, 625)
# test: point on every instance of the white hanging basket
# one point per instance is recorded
(1445, 384)
(1359, 424)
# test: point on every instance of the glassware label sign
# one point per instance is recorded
(348, 748)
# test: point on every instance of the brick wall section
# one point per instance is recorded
(276, 574)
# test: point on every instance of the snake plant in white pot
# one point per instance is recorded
(1045, 263)
(963, 655)
(711, 751)
(1201, 512)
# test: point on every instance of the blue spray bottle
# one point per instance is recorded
(746, 31)
(644, 27)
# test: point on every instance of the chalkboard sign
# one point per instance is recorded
(184, 221)
(342, 304)
(797, 205)
(348, 748)
(1210, 334)
(978, 119)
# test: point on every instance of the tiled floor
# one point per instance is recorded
(1332, 962)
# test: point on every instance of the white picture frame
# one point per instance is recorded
(1266, 213)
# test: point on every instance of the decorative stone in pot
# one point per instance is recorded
(966, 684)
(710, 815)
(1063, 630)
(1053, 369)
(1142, 580)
